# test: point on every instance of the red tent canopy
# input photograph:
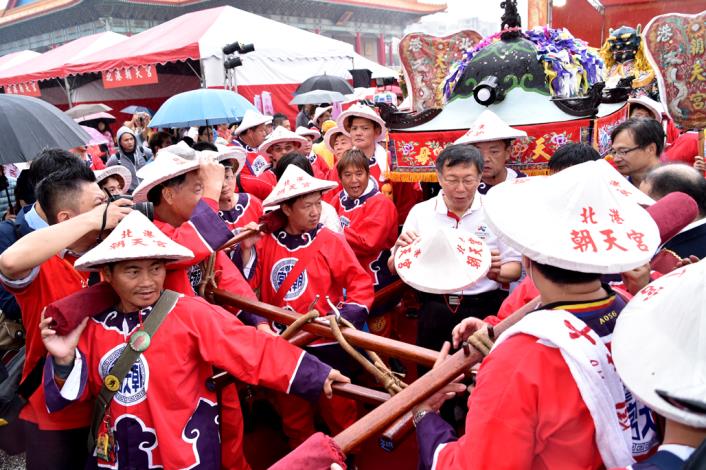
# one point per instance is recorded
(51, 64)
(174, 40)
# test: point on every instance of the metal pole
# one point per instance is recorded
(67, 88)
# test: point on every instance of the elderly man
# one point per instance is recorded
(299, 267)
(130, 155)
(547, 395)
(158, 411)
(691, 240)
(636, 147)
(458, 205)
(493, 137)
(39, 269)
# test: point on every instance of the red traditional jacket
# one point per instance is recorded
(204, 233)
(163, 416)
(332, 267)
(370, 226)
(526, 410)
(247, 208)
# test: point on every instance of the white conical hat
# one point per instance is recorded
(572, 220)
(304, 131)
(621, 185)
(659, 344)
(445, 262)
(333, 132)
(115, 170)
(366, 112)
(135, 237)
(251, 119)
(296, 182)
(164, 168)
(489, 127)
(279, 135)
(655, 107)
(180, 149)
(226, 153)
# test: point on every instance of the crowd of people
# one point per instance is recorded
(107, 264)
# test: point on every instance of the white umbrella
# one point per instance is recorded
(318, 97)
(81, 110)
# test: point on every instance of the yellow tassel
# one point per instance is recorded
(409, 177)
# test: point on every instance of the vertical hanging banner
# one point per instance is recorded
(130, 76)
(25, 88)
(676, 47)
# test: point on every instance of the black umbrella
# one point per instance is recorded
(325, 82)
(29, 125)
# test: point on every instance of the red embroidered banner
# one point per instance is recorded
(413, 154)
(130, 76)
(676, 46)
(604, 127)
(26, 89)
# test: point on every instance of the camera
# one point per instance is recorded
(146, 208)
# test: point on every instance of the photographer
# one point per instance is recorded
(38, 269)
(130, 154)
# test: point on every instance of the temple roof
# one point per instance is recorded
(18, 10)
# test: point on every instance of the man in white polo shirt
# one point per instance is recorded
(459, 169)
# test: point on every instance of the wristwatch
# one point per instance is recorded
(419, 415)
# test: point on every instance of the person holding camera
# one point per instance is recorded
(39, 269)
(130, 154)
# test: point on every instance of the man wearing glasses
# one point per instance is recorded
(459, 168)
(637, 146)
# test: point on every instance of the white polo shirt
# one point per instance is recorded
(426, 217)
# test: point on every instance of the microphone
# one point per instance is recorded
(672, 213)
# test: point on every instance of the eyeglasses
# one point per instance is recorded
(467, 182)
(622, 153)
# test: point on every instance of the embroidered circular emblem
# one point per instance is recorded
(377, 324)
(111, 383)
(140, 341)
(279, 273)
(133, 389)
(345, 221)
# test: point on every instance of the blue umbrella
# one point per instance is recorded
(203, 107)
(134, 109)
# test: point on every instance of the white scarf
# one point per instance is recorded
(591, 366)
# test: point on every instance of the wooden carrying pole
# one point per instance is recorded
(402, 403)
(379, 344)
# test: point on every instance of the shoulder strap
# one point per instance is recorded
(116, 375)
(239, 184)
(298, 268)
